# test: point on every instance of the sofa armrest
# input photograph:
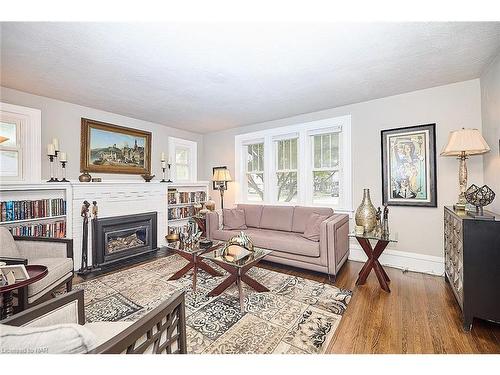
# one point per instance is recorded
(67, 308)
(41, 247)
(335, 231)
(10, 260)
(162, 330)
(212, 223)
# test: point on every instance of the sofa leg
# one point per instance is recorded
(69, 285)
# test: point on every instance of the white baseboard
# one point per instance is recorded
(403, 260)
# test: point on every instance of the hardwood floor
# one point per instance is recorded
(420, 315)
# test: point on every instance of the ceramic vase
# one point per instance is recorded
(366, 214)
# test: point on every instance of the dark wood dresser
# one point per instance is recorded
(472, 264)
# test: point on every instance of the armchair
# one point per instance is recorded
(162, 330)
(54, 253)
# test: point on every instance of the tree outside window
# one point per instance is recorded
(255, 172)
(326, 187)
(286, 170)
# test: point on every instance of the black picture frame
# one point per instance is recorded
(214, 186)
(430, 164)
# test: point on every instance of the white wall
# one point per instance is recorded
(63, 120)
(420, 230)
(490, 105)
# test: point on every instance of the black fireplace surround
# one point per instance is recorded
(121, 238)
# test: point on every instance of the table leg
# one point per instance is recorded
(223, 286)
(373, 254)
(205, 267)
(195, 274)
(182, 271)
(254, 284)
(240, 293)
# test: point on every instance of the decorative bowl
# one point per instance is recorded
(172, 237)
(147, 177)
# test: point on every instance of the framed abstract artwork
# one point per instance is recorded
(108, 148)
(409, 166)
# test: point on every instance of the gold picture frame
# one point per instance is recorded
(109, 148)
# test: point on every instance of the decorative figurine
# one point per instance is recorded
(378, 226)
(385, 229)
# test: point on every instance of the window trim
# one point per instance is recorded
(173, 143)
(29, 140)
(305, 132)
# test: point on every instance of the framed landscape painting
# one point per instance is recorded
(108, 148)
(409, 166)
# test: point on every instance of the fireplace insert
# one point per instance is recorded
(121, 238)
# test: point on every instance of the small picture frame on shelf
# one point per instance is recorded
(14, 273)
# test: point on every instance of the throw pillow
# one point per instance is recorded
(234, 219)
(56, 339)
(313, 226)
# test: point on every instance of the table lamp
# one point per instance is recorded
(221, 177)
(464, 143)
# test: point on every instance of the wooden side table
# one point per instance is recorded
(373, 253)
(35, 272)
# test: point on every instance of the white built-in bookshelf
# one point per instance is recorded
(36, 210)
(181, 198)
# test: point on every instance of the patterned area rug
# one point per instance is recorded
(296, 316)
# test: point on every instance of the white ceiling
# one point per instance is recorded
(208, 77)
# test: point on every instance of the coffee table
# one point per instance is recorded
(192, 255)
(35, 273)
(373, 254)
(237, 271)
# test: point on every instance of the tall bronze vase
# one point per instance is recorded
(366, 214)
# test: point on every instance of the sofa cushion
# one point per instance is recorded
(233, 219)
(8, 248)
(287, 242)
(55, 339)
(224, 234)
(57, 267)
(313, 226)
(104, 331)
(277, 218)
(301, 216)
(253, 213)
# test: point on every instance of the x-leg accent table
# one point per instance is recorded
(195, 262)
(373, 254)
(238, 275)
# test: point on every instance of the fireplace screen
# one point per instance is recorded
(120, 238)
(126, 239)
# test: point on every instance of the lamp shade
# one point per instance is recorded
(468, 141)
(221, 174)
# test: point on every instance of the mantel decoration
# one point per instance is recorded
(108, 148)
(409, 166)
(480, 197)
(462, 144)
(53, 152)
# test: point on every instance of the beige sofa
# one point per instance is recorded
(279, 228)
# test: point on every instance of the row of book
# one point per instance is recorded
(180, 212)
(55, 229)
(32, 209)
(180, 197)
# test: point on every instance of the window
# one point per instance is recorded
(307, 164)
(182, 156)
(10, 149)
(20, 149)
(255, 172)
(286, 170)
(325, 169)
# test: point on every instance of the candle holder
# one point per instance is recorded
(169, 180)
(56, 172)
(163, 174)
(51, 159)
(63, 167)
